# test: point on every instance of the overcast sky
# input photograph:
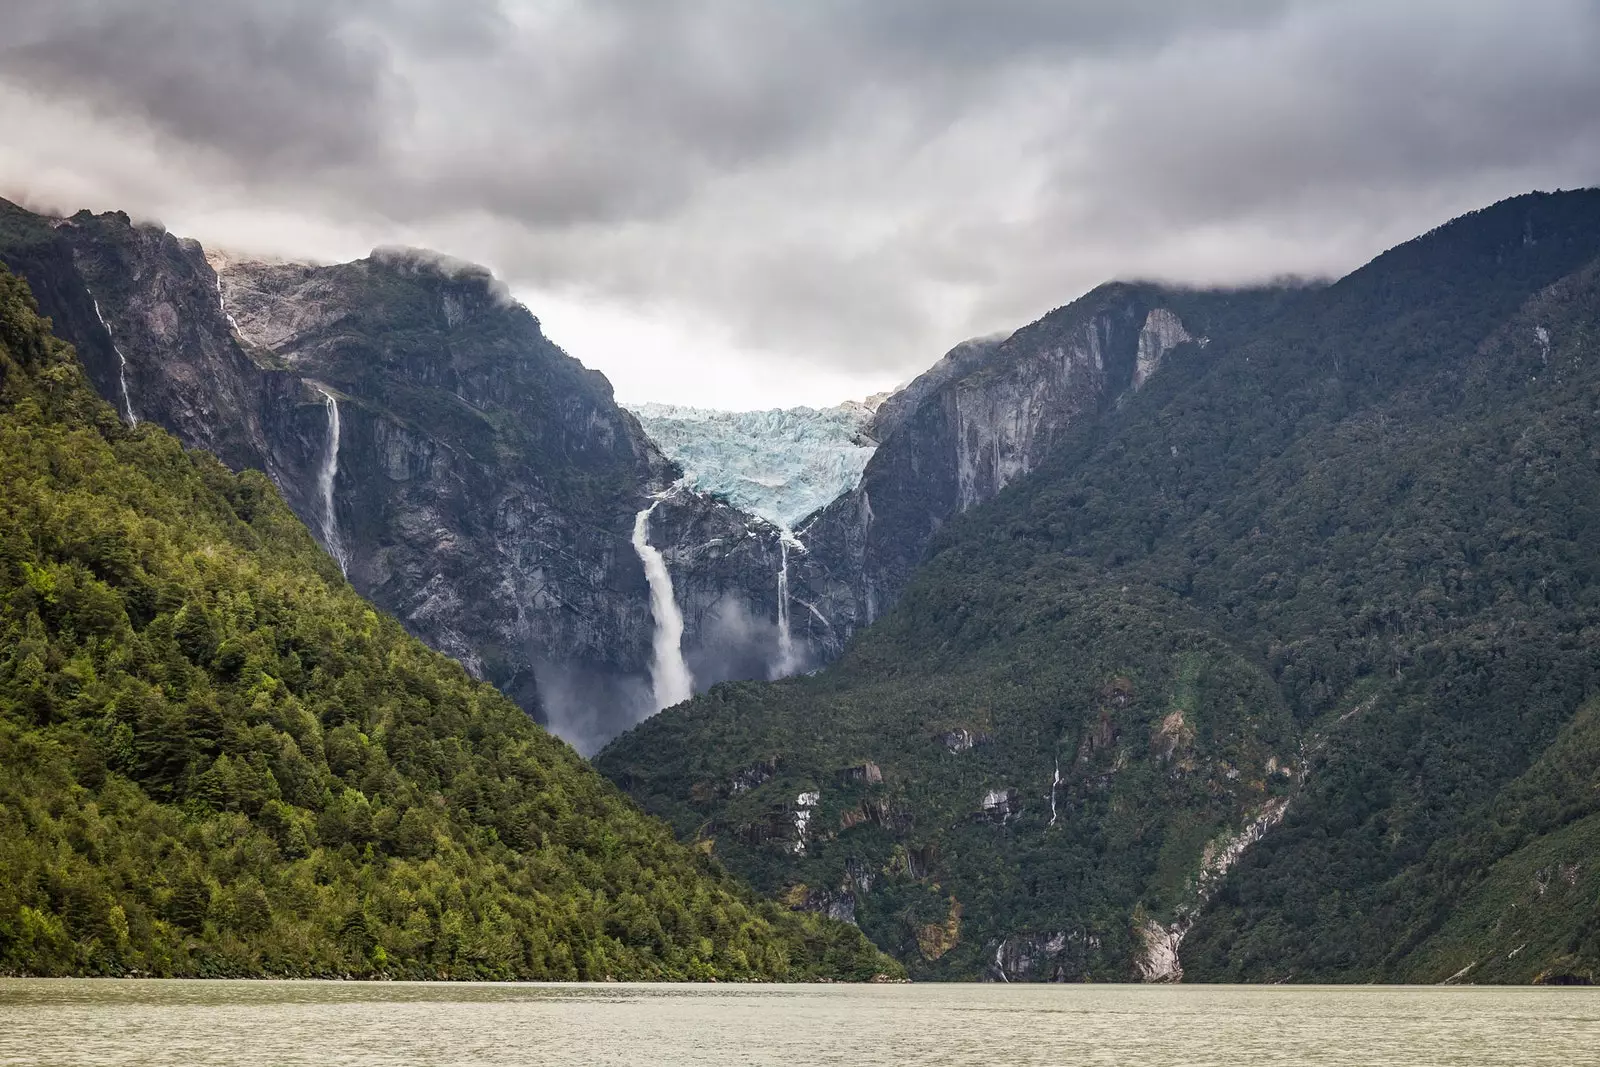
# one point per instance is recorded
(746, 203)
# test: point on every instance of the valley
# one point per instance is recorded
(1230, 634)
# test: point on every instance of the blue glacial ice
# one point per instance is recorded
(780, 464)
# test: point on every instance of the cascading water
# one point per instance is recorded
(222, 305)
(670, 679)
(787, 663)
(1055, 783)
(122, 365)
(325, 479)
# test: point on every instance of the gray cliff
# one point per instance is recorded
(984, 416)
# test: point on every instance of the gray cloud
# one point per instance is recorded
(842, 188)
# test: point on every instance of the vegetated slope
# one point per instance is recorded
(217, 759)
(1356, 543)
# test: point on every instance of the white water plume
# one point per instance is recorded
(670, 679)
(787, 662)
(122, 365)
(325, 480)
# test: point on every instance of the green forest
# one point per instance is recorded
(218, 760)
(1338, 565)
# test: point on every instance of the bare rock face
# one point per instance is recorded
(1054, 956)
(982, 417)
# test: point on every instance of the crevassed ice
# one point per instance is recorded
(781, 464)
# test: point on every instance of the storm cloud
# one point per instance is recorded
(800, 201)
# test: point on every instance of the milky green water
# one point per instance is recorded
(44, 1023)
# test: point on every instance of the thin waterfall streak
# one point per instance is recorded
(222, 305)
(670, 680)
(122, 364)
(325, 482)
(819, 616)
(787, 662)
(1054, 785)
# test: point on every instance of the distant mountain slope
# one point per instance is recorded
(781, 464)
(1273, 670)
(217, 760)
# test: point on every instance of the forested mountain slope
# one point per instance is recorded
(1278, 670)
(217, 759)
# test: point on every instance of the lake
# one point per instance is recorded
(85, 1023)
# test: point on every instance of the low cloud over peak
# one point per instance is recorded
(797, 202)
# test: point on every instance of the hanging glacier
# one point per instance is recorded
(781, 464)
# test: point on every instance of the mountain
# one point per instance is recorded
(471, 477)
(481, 485)
(220, 761)
(781, 464)
(1279, 663)
(987, 414)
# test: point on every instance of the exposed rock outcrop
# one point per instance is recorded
(985, 415)
(1160, 942)
(1055, 956)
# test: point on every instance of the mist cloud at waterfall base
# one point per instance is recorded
(586, 706)
(734, 644)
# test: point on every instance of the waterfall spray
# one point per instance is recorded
(325, 479)
(669, 674)
(122, 365)
(787, 662)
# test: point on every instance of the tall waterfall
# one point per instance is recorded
(787, 663)
(669, 674)
(325, 478)
(222, 305)
(122, 365)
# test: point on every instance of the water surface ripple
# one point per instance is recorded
(88, 1023)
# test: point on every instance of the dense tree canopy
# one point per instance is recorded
(1357, 538)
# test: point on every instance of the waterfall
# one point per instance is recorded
(669, 674)
(787, 662)
(222, 305)
(122, 365)
(325, 478)
(1055, 784)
